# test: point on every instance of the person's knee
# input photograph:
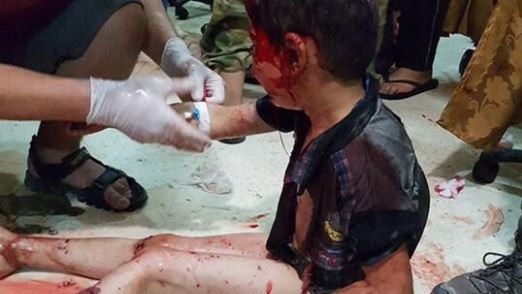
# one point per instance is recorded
(153, 256)
(114, 51)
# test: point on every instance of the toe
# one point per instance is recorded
(116, 197)
(122, 187)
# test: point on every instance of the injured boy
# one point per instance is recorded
(354, 202)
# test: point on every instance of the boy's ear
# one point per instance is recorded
(295, 53)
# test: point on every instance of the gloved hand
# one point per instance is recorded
(137, 107)
(176, 61)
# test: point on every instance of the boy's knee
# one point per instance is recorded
(155, 255)
(159, 241)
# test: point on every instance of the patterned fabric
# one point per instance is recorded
(488, 98)
(369, 194)
(225, 42)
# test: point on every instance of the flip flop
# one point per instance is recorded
(419, 88)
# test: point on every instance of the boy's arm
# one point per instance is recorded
(230, 121)
(391, 275)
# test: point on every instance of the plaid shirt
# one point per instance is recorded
(369, 194)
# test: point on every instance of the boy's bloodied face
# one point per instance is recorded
(270, 70)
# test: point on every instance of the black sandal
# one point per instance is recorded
(419, 88)
(50, 176)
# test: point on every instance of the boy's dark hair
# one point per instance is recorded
(345, 31)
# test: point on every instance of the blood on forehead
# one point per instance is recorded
(272, 69)
(270, 66)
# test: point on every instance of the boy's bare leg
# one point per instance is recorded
(171, 271)
(245, 244)
(225, 264)
(112, 54)
(89, 256)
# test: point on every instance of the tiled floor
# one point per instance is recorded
(459, 231)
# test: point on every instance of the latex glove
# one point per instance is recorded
(176, 61)
(137, 107)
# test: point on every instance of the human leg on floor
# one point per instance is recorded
(111, 54)
(88, 256)
(169, 271)
(419, 29)
(234, 263)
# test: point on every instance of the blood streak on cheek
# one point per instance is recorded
(266, 58)
(269, 68)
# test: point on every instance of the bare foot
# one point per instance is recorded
(7, 259)
(402, 73)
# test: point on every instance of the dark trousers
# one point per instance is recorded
(420, 25)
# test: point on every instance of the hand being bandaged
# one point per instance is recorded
(176, 61)
(137, 107)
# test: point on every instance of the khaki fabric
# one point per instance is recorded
(225, 42)
(489, 97)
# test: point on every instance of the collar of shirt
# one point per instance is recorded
(303, 164)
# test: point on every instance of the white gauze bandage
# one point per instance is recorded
(201, 115)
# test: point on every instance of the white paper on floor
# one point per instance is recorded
(211, 179)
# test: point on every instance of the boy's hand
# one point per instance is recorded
(138, 108)
(176, 61)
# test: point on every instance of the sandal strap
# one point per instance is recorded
(109, 176)
(56, 172)
(93, 195)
